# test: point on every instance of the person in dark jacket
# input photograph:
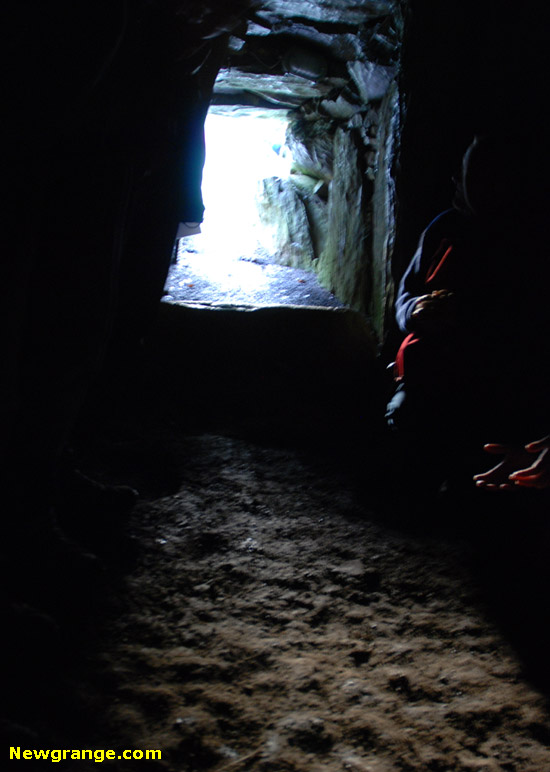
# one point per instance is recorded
(473, 307)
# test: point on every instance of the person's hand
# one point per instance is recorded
(433, 311)
(498, 477)
(537, 475)
(517, 469)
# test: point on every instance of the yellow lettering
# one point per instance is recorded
(110, 755)
(75, 755)
(83, 754)
(54, 756)
(15, 753)
(124, 756)
(27, 754)
(99, 755)
(153, 755)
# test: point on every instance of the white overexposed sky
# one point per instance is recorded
(239, 154)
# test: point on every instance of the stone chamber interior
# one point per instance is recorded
(266, 604)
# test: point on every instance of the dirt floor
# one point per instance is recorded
(264, 609)
(266, 620)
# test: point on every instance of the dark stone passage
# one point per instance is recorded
(212, 544)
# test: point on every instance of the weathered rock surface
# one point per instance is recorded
(310, 141)
(343, 264)
(384, 211)
(285, 88)
(285, 211)
(372, 80)
(334, 63)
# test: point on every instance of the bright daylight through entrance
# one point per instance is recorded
(230, 260)
(240, 152)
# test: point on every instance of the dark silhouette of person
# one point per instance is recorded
(473, 303)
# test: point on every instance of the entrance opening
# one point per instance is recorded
(240, 153)
(231, 260)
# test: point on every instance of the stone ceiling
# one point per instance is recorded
(287, 52)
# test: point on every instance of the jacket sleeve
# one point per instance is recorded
(411, 287)
(413, 284)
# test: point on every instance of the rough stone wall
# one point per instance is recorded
(281, 203)
(335, 214)
(384, 206)
(335, 69)
(342, 267)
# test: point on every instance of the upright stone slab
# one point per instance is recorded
(342, 267)
(282, 209)
(383, 214)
